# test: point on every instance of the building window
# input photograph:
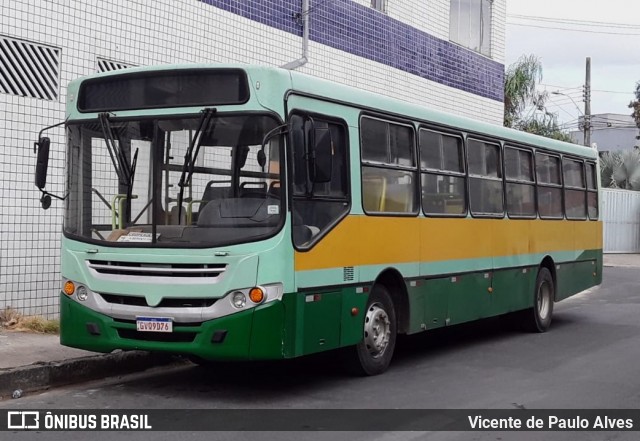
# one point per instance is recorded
(380, 5)
(470, 24)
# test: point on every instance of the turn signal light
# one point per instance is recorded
(69, 288)
(256, 295)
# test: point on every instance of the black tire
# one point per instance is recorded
(538, 318)
(367, 357)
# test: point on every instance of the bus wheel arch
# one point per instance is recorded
(549, 264)
(393, 281)
(385, 317)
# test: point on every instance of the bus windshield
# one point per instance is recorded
(198, 181)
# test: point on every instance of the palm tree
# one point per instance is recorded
(520, 83)
(620, 169)
(627, 172)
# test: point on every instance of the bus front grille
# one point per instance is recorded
(164, 303)
(138, 269)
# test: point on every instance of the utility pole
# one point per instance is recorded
(587, 104)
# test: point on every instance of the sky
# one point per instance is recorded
(615, 59)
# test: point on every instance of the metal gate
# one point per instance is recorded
(621, 218)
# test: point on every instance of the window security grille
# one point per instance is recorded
(29, 69)
(108, 66)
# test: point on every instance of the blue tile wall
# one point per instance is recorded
(362, 31)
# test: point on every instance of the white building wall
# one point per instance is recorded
(166, 31)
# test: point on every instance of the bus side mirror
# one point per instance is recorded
(42, 163)
(321, 158)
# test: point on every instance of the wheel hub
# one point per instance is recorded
(544, 300)
(377, 330)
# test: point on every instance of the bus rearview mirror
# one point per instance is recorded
(321, 164)
(42, 163)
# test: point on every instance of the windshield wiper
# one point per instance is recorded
(190, 157)
(118, 158)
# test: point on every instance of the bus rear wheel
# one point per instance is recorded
(538, 318)
(373, 354)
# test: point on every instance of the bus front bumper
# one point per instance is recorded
(256, 333)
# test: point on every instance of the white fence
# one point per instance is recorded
(621, 217)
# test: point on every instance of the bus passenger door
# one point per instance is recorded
(319, 190)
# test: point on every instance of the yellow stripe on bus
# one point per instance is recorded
(371, 240)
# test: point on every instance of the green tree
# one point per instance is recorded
(621, 169)
(524, 106)
(635, 105)
(520, 81)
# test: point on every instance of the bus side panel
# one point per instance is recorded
(469, 297)
(321, 328)
(512, 289)
(574, 277)
(428, 302)
(352, 325)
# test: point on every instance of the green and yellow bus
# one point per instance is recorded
(243, 212)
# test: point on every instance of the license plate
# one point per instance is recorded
(154, 324)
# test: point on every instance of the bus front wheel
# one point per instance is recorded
(374, 352)
(538, 318)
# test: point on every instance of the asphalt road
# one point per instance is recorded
(588, 360)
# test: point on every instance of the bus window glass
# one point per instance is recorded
(374, 138)
(517, 164)
(430, 149)
(575, 198)
(318, 206)
(389, 183)
(387, 190)
(573, 173)
(592, 191)
(452, 156)
(485, 183)
(443, 184)
(484, 159)
(401, 145)
(520, 185)
(548, 169)
(550, 202)
(549, 186)
(591, 176)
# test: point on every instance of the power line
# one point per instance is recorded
(626, 34)
(572, 21)
(613, 91)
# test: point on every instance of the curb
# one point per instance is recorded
(76, 370)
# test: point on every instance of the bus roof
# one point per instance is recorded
(307, 84)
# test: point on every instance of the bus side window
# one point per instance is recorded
(317, 206)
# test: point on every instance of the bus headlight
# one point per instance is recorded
(81, 293)
(238, 299)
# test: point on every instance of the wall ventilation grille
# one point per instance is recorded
(29, 69)
(108, 65)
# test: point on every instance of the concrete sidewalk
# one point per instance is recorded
(30, 361)
(622, 260)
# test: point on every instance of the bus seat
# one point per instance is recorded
(374, 193)
(398, 198)
(253, 188)
(212, 192)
